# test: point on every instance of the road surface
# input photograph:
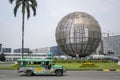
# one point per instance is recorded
(70, 75)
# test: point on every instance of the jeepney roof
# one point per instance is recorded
(35, 60)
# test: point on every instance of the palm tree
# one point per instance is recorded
(110, 53)
(26, 5)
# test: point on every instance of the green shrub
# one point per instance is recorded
(81, 61)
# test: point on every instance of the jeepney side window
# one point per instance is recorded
(29, 63)
(22, 63)
(43, 64)
(37, 63)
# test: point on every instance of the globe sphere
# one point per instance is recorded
(78, 33)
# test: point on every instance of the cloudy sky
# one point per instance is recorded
(40, 30)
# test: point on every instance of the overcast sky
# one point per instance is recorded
(40, 30)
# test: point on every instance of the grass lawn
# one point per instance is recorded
(8, 68)
(78, 66)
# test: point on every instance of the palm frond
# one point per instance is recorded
(34, 2)
(28, 9)
(19, 2)
(16, 8)
(11, 1)
(34, 10)
(26, 5)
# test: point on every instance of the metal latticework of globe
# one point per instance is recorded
(78, 33)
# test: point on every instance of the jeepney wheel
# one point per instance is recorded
(59, 72)
(29, 73)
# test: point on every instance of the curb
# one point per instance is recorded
(107, 70)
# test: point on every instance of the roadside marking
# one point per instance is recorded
(106, 70)
(118, 70)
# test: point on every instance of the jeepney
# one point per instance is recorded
(39, 66)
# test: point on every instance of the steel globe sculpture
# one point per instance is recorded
(78, 33)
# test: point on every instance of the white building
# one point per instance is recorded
(15, 56)
(112, 43)
(41, 50)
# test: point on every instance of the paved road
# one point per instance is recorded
(70, 75)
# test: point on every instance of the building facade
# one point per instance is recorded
(53, 49)
(25, 50)
(112, 43)
(36, 53)
(6, 50)
(15, 56)
(41, 50)
(56, 50)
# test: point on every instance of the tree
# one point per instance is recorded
(101, 52)
(26, 5)
(2, 57)
(110, 53)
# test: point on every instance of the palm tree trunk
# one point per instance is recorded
(23, 18)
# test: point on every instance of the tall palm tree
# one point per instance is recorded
(25, 5)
